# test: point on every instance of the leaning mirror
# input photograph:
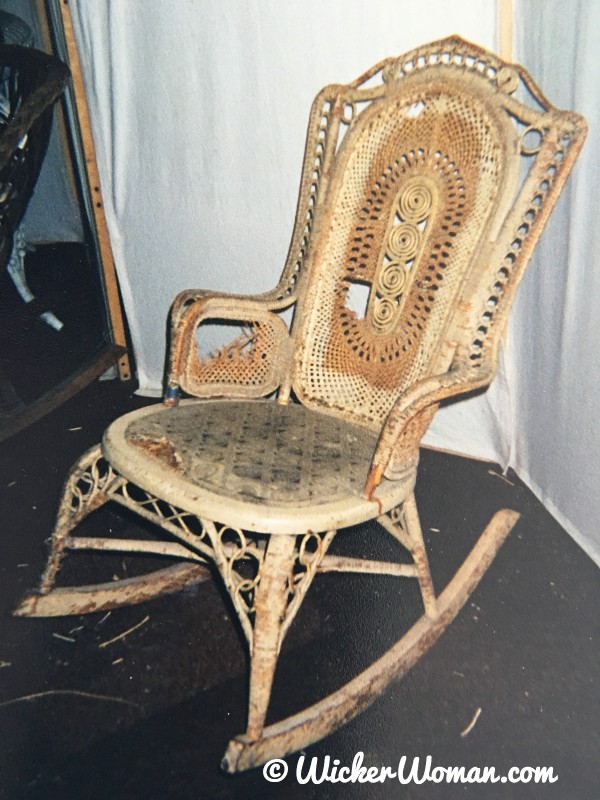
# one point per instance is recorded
(61, 324)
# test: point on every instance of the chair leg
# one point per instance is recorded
(92, 482)
(270, 607)
(419, 554)
(84, 492)
(266, 583)
(404, 525)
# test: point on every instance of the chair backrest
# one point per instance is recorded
(426, 184)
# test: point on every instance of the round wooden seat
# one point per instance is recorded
(253, 464)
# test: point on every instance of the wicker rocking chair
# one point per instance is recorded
(425, 186)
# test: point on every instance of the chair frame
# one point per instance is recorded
(285, 555)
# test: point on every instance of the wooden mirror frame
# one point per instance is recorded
(73, 121)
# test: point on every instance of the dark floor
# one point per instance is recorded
(523, 650)
(35, 358)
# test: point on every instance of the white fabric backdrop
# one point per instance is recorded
(199, 111)
(555, 442)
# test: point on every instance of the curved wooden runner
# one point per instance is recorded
(320, 719)
(106, 596)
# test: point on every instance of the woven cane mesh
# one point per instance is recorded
(247, 366)
(237, 362)
(416, 184)
(258, 452)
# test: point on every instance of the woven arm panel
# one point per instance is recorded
(252, 365)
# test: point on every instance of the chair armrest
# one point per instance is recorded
(252, 365)
(412, 413)
(185, 299)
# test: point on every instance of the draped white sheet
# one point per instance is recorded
(555, 443)
(199, 112)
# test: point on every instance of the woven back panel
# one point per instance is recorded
(417, 183)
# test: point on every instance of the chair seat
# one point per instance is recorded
(256, 465)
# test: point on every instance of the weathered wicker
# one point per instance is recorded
(426, 184)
